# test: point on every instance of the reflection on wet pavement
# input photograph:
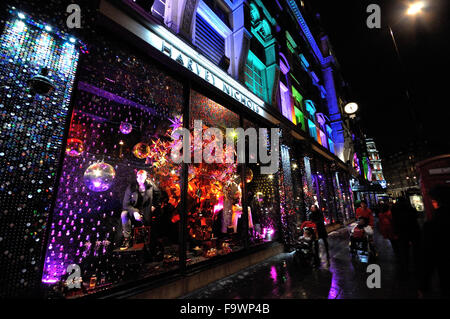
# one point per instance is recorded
(343, 278)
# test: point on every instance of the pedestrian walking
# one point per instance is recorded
(386, 228)
(435, 245)
(407, 228)
(365, 212)
(316, 216)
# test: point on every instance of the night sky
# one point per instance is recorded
(371, 67)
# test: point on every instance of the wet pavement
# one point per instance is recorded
(344, 278)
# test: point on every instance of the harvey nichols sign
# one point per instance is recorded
(207, 75)
(168, 43)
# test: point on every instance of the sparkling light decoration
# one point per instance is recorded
(75, 147)
(141, 150)
(248, 175)
(125, 128)
(32, 131)
(99, 176)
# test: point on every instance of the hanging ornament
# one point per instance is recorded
(248, 175)
(125, 128)
(74, 147)
(141, 150)
(99, 177)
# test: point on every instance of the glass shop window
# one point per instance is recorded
(262, 197)
(214, 203)
(323, 193)
(116, 210)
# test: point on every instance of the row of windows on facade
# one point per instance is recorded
(301, 112)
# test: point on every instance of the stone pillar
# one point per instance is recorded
(272, 73)
(180, 17)
(333, 110)
(240, 44)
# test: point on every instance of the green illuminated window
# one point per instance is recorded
(255, 75)
(299, 116)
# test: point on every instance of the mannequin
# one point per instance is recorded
(137, 204)
(232, 194)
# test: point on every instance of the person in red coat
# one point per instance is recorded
(386, 227)
(365, 212)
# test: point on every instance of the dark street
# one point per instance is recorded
(345, 278)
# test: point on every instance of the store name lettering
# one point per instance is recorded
(208, 76)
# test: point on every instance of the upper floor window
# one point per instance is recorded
(208, 40)
(311, 109)
(312, 129)
(255, 75)
(304, 62)
(159, 8)
(218, 8)
(286, 108)
(298, 108)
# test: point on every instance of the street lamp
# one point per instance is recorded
(415, 8)
(350, 109)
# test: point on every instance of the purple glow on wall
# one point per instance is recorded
(284, 64)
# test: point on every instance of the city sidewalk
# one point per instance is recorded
(344, 278)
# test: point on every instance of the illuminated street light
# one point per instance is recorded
(351, 108)
(415, 8)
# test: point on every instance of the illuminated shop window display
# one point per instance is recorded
(324, 196)
(299, 213)
(286, 190)
(214, 204)
(263, 198)
(116, 208)
(308, 182)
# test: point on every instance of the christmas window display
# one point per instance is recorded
(332, 202)
(347, 195)
(115, 212)
(286, 190)
(298, 212)
(263, 199)
(308, 184)
(324, 200)
(214, 202)
(339, 197)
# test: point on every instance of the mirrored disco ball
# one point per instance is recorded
(99, 177)
(74, 147)
(125, 128)
(141, 150)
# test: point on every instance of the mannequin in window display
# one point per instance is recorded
(240, 220)
(139, 203)
(232, 194)
(256, 207)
